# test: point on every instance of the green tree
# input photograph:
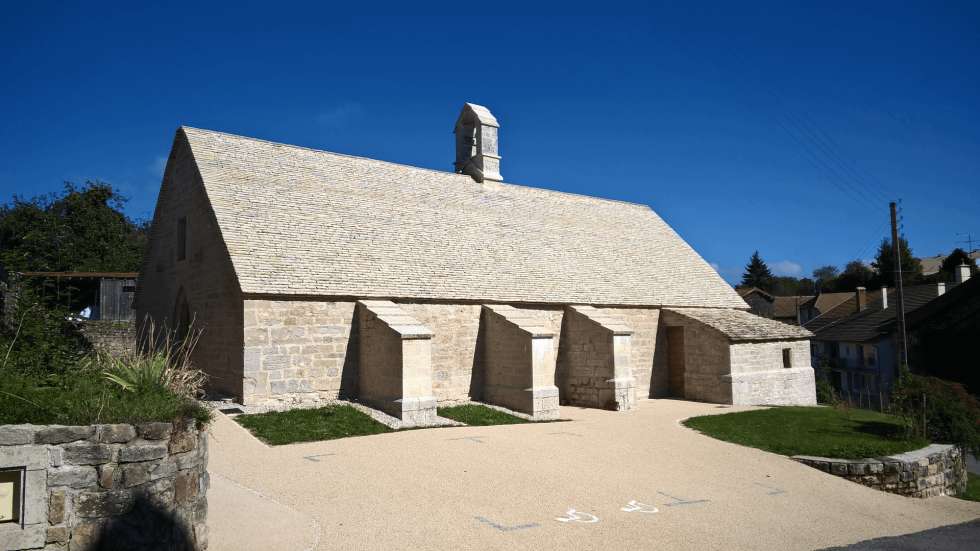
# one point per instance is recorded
(757, 274)
(825, 278)
(81, 229)
(884, 264)
(948, 268)
(856, 274)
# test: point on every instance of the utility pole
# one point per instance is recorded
(900, 313)
(968, 241)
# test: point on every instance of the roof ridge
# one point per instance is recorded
(403, 165)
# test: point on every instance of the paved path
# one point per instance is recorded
(590, 483)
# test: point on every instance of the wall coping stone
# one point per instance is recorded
(397, 319)
(937, 469)
(528, 321)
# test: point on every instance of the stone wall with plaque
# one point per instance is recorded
(80, 487)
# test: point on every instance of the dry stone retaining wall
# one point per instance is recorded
(114, 337)
(935, 470)
(134, 486)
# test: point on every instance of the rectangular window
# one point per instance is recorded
(182, 238)
(787, 358)
(11, 491)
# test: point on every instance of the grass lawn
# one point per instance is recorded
(477, 415)
(820, 431)
(308, 425)
(972, 492)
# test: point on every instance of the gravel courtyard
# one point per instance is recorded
(603, 480)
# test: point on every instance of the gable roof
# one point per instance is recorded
(299, 221)
(786, 307)
(746, 291)
(824, 302)
(739, 325)
(874, 321)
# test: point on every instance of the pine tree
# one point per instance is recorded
(757, 274)
(884, 264)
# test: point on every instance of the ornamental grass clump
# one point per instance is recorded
(163, 363)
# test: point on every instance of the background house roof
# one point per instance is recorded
(874, 321)
(826, 301)
(786, 307)
(932, 264)
(948, 309)
(746, 291)
(739, 325)
(298, 221)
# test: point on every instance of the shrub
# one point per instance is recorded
(939, 410)
(826, 394)
(37, 338)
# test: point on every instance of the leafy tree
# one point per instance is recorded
(856, 274)
(948, 268)
(825, 278)
(82, 229)
(884, 263)
(785, 286)
(806, 287)
(757, 274)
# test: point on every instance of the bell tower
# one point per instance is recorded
(476, 143)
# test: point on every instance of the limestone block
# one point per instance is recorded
(60, 434)
(72, 476)
(142, 452)
(15, 435)
(114, 434)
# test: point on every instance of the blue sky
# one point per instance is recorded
(779, 128)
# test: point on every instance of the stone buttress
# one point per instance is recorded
(395, 363)
(519, 361)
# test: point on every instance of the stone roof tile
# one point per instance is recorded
(739, 325)
(298, 221)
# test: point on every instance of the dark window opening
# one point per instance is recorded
(787, 358)
(182, 238)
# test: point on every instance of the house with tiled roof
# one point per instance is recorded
(315, 275)
(786, 309)
(857, 340)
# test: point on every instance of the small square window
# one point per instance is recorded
(787, 358)
(182, 238)
(11, 494)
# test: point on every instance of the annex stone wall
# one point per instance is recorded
(707, 360)
(759, 376)
(936, 470)
(85, 487)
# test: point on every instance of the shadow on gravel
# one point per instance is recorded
(955, 537)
